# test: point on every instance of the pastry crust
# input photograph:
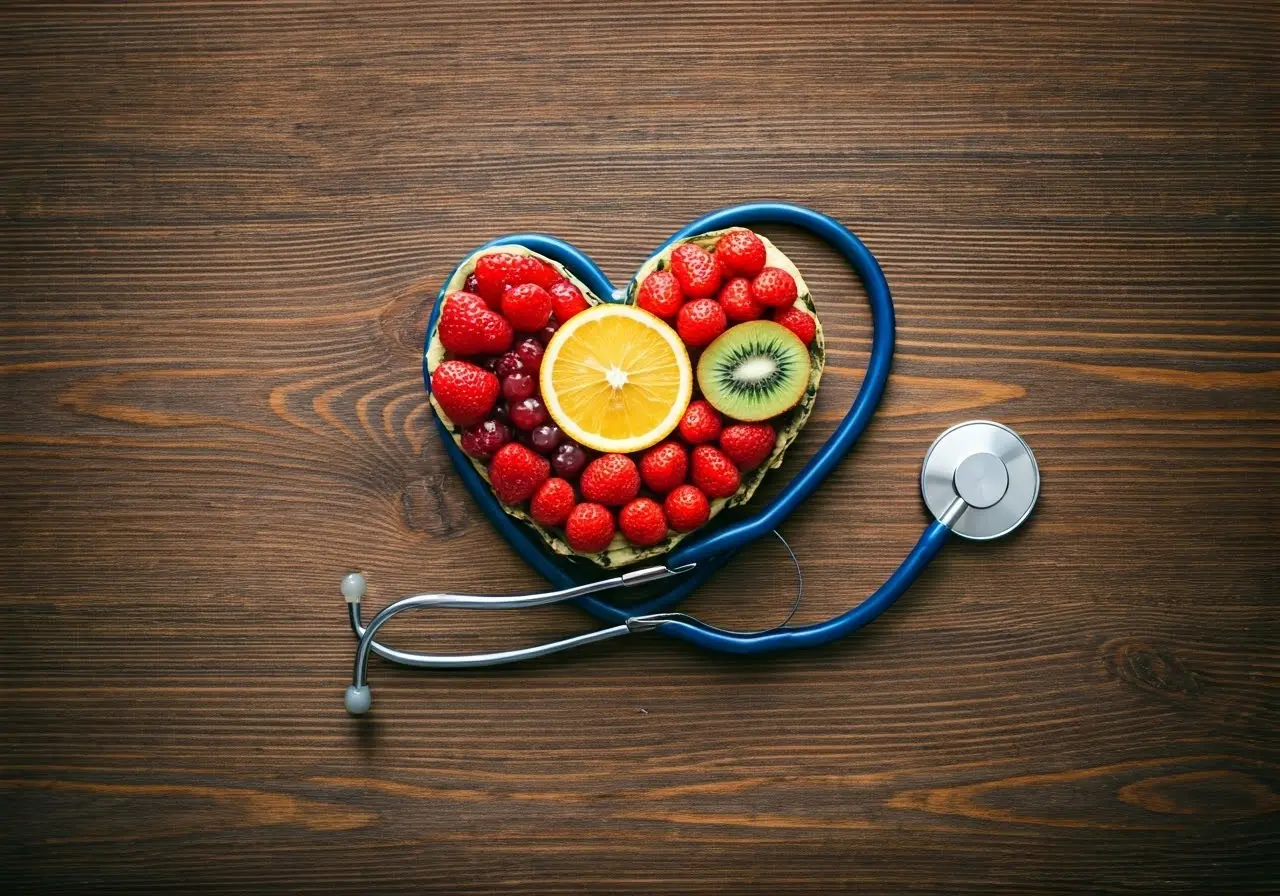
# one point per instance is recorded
(620, 553)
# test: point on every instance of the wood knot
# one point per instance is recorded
(1150, 668)
(434, 504)
(1211, 793)
(404, 317)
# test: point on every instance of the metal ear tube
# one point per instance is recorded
(358, 698)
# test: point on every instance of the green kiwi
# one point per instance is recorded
(754, 371)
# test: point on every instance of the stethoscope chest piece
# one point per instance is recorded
(991, 469)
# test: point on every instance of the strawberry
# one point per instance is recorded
(700, 423)
(741, 252)
(700, 322)
(697, 270)
(493, 274)
(527, 307)
(541, 273)
(566, 300)
(467, 393)
(687, 508)
(713, 472)
(498, 270)
(798, 322)
(516, 472)
(469, 327)
(748, 444)
(552, 502)
(643, 522)
(735, 298)
(589, 528)
(660, 294)
(664, 466)
(610, 479)
(774, 287)
(472, 285)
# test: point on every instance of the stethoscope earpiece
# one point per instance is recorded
(353, 587)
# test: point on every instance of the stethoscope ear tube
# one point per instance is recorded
(716, 547)
(980, 480)
(859, 415)
(708, 553)
(359, 699)
(688, 629)
(697, 559)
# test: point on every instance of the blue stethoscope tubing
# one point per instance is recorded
(708, 552)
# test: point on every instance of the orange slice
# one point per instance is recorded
(616, 379)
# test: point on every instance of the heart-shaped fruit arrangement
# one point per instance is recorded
(617, 429)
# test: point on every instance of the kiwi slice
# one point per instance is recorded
(754, 371)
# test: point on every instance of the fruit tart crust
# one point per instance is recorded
(620, 553)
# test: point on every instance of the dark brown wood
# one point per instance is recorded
(222, 229)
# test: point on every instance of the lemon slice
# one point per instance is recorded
(616, 378)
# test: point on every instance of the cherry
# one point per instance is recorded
(530, 352)
(484, 439)
(569, 459)
(518, 386)
(545, 334)
(545, 438)
(528, 413)
(508, 364)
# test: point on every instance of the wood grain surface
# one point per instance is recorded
(223, 226)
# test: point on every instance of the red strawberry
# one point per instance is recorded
(697, 270)
(748, 444)
(552, 502)
(700, 322)
(664, 466)
(589, 528)
(498, 270)
(527, 307)
(539, 272)
(798, 322)
(466, 392)
(469, 327)
(660, 294)
(713, 472)
(735, 298)
(493, 274)
(643, 522)
(610, 479)
(566, 300)
(543, 274)
(774, 287)
(472, 285)
(516, 472)
(700, 423)
(740, 252)
(687, 508)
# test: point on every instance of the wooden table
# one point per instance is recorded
(223, 230)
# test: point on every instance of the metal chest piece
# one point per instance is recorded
(991, 468)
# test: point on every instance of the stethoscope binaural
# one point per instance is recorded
(979, 480)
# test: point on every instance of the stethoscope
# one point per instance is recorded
(979, 480)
